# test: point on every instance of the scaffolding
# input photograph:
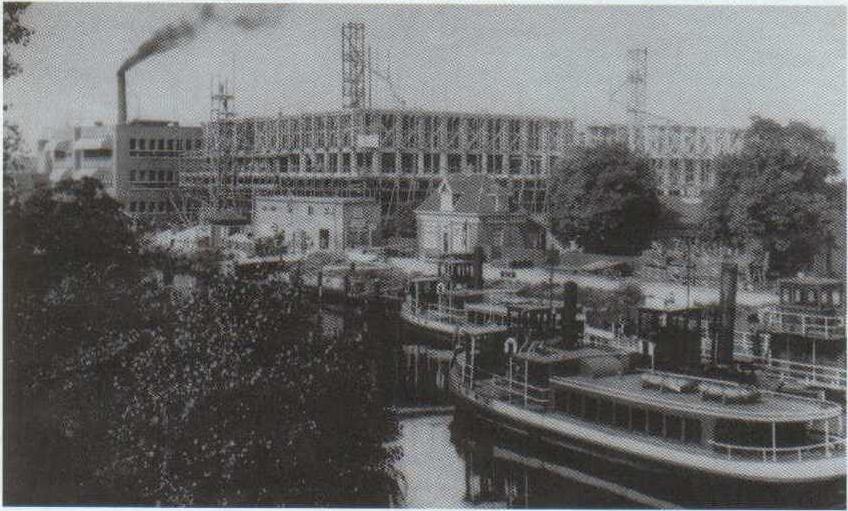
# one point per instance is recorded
(355, 75)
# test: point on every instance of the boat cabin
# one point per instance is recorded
(731, 420)
(806, 331)
(812, 293)
(672, 334)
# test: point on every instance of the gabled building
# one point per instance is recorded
(465, 211)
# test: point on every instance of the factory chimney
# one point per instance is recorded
(727, 314)
(122, 97)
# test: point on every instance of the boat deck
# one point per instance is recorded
(772, 407)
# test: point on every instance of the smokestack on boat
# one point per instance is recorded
(122, 97)
(727, 313)
(478, 267)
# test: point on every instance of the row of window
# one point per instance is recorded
(633, 418)
(811, 296)
(408, 163)
(290, 208)
(150, 206)
(165, 144)
(422, 131)
(152, 176)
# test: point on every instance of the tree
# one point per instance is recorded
(605, 198)
(771, 197)
(118, 390)
(15, 33)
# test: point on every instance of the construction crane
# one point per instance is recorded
(386, 76)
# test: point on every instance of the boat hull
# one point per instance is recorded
(686, 484)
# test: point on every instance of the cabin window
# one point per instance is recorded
(655, 423)
(691, 430)
(638, 423)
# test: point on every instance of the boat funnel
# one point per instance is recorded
(478, 267)
(727, 314)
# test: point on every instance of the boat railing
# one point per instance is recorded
(804, 372)
(806, 325)
(488, 385)
(450, 315)
(835, 446)
(438, 312)
(811, 374)
(599, 337)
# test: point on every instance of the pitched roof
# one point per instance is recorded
(476, 194)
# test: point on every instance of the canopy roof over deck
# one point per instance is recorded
(772, 407)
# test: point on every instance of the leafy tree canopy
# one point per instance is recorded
(604, 197)
(71, 231)
(773, 196)
(14, 34)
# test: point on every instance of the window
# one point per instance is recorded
(837, 297)
(142, 144)
(161, 175)
(324, 239)
(142, 175)
(170, 176)
(197, 144)
(170, 144)
(310, 210)
(142, 206)
(161, 145)
(132, 206)
(132, 176)
(132, 144)
(188, 144)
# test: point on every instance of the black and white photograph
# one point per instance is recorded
(424, 255)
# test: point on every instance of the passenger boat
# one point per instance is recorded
(663, 413)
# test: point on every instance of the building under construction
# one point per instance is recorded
(398, 155)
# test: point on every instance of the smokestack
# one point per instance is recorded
(478, 267)
(569, 327)
(122, 97)
(727, 313)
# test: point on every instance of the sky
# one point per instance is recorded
(707, 65)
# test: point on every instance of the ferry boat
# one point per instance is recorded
(655, 407)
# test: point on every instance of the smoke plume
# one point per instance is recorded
(246, 17)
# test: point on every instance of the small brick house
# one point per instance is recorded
(466, 211)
